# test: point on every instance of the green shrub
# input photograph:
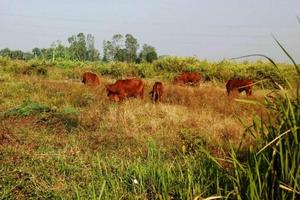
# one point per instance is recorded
(4, 61)
(146, 70)
(163, 68)
(27, 108)
(175, 64)
(33, 69)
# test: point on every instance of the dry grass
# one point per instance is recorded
(53, 149)
(125, 128)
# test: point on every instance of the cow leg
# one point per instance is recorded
(153, 96)
(228, 92)
(248, 91)
(156, 97)
(142, 93)
(122, 97)
(160, 98)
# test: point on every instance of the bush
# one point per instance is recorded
(68, 116)
(164, 68)
(27, 108)
(175, 64)
(35, 70)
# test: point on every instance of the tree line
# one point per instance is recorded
(81, 47)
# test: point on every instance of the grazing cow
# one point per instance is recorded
(240, 86)
(122, 89)
(157, 92)
(192, 78)
(89, 78)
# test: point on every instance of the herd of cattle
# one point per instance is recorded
(134, 87)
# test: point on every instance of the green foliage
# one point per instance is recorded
(51, 117)
(111, 48)
(82, 47)
(153, 177)
(131, 46)
(271, 170)
(92, 53)
(120, 50)
(175, 64)
(164, 68)
(148, 54)
(146, 70)
(32, 67)
(16, 54)
(35, 70)
(27, 108)
(118, 69)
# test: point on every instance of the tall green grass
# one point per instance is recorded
(153, 177)
(271, 169)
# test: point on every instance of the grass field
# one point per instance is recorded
(60, 139)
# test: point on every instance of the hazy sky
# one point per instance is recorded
(212, 29)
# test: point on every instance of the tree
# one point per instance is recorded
(148, 54)
(112, 48)
(5, 52)
(28, 55)
(59, 51)
(131, 46)
(121, 55)
(117, 42)
(106, 51)
(119, 50)
(37, 52)
(78, 47)
(47, 53)
(17, 54)
(83, 48)
(92, 53)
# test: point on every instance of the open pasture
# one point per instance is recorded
(62, 139)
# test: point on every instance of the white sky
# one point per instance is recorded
(213, 29)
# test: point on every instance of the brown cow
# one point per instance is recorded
(192, 78)
(240, 86)
(89, 78)
(122, 89)
(157, 92)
